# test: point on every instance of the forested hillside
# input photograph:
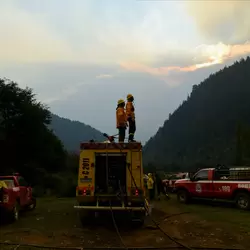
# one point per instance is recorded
(28, 146)
(71, 133)
(210, 127)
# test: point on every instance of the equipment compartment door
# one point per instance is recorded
(136, 169)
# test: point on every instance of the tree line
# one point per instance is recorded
(211, 127)
(29, 146)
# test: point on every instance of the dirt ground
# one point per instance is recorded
(55, 223)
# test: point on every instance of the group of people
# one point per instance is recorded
(125, 117)
(155, 187)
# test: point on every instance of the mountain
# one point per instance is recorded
(72, 133)
(205, 129)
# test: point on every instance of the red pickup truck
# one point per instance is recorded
(232, 184)
(15, 195)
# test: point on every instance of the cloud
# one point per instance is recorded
(64, 94)
(25, 38)
(226, 21)
(207, 55)
(35, 31)
(104, 76)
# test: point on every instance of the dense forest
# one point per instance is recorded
(210, 127)
(29, 146)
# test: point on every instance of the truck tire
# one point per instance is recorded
(138, 219)
(242, 200)
(32, 206)
(183, 196)
(14, 214)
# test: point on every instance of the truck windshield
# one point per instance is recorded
(8, 181)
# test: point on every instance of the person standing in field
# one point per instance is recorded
(150, 185)
(159, 187)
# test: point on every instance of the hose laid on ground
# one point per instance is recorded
(116, 227)
(114, 248)
(156, 224)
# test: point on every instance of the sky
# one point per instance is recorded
(81, 56)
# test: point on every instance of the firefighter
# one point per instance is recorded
(3, 184)
(121, 119)
(150, 185)
(130, 113)
(158, 185)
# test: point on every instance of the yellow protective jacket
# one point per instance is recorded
(3, 184)
(121, 119)
(150, 183)
(130, 110)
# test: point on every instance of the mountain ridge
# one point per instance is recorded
(203, 129)
(72, 133)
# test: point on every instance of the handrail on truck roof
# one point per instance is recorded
(113, 145)
(110, 144)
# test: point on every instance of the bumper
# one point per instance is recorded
(5, 207)
(103, 203)
(96, 208)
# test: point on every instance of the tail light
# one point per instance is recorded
(84, 192)
(5, 198)
(136, 192)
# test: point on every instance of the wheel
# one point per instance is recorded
(183, 196)
(32, 206)
(242, 201)
(138, 218)
(14, 214)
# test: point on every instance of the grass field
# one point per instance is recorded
(54, 222)
(206, 224)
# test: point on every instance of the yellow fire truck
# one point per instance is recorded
(111, 177)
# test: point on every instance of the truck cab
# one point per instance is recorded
(232, 184)
(110, 177)
(15, 195)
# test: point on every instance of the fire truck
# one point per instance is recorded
(231, 184)
(111, 178)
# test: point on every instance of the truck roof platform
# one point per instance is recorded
(112, 145)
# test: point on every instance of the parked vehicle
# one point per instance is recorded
(111, 178)
(169, 183)
(231, 184)
(15, 195)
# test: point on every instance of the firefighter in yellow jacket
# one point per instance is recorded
(3, 184)
(150, 185)
(121, 119)
(130, 113)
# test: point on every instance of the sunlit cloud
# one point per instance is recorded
(93, 33)
(227, 21)
(210, 54)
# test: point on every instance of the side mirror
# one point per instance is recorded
(192, 178)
